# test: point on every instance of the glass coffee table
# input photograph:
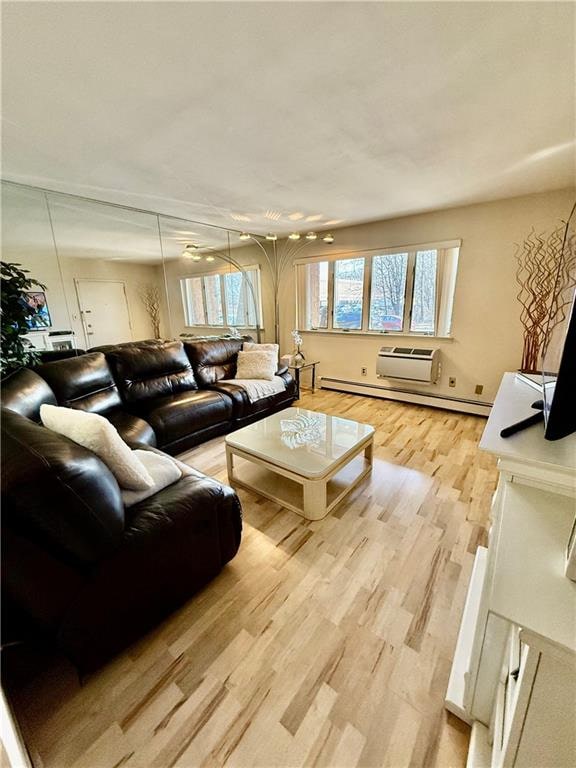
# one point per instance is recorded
(304, 460)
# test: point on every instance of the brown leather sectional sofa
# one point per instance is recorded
(79, 569)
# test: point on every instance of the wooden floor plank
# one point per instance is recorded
(324, 643)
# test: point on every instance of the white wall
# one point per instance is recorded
(487, 334)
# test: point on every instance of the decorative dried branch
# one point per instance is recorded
(546, 272)
(150, 297)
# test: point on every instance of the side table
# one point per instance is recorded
(301, 367)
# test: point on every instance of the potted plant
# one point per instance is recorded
(17, 351)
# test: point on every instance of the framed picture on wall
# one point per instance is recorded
(39, 314)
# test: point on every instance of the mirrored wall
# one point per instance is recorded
(113, 274)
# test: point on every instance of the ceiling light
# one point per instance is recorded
(189, 252)
(244, 236)
(294, 236)
(328, 238)
(210, 258)
(311, 236)
(271, 236)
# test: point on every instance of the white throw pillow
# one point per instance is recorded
(97, 434)
(251, 346)
(163, 470)
(256, 365)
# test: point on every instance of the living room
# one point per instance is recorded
(379, 190)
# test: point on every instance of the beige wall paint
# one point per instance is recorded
(487, 334)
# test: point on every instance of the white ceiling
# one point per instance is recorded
(280, 116)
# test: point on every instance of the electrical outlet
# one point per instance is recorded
(364, 371)
(451, 381)
(478, 389)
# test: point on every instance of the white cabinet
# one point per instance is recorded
(514, 672)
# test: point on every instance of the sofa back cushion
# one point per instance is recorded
(24, 392)
(84, 383)
(58, 494)
(105, 348)
(213, 360)
(151, 371)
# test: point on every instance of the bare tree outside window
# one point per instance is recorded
(403, 294)
(213, 299)
(388, 291)
(234, 299)
(424, 293)
(348, 293)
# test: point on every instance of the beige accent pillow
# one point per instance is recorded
(163, 470)
(96, 434)
(257, 365)
(251, 346)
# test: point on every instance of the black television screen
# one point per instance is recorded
(559, 395)
(559, 350)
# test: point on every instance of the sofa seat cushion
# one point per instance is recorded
(132, 429)
(242, 407)
(177, 416)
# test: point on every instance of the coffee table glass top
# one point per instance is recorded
(306, 442)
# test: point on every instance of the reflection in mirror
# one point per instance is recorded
(112, 271)
(116, 274)
(27, 240)
(101, 264)
(213, 281)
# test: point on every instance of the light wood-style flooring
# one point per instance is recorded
(321, 644)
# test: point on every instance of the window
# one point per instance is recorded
(401, 291)
(229, 299)
(388, 292)
(317, 295)
(424, 292)
(348, 293)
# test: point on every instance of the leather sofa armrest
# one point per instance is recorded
(282, 370)
(289, 381)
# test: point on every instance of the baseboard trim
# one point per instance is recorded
(407, 396)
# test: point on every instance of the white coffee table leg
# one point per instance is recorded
(314, 499)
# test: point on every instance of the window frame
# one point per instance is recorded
(222, 272)
(448, 253)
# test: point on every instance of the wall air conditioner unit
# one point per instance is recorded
(409, 364)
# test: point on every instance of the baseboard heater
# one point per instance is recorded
(407, 395)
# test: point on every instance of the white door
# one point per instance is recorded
(104, 311)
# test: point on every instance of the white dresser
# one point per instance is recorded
(514, 672)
